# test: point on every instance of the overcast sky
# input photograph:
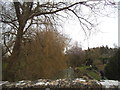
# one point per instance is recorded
(108, 34)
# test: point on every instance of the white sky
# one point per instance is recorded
(108, 34)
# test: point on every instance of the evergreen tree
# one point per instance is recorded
(112, 69)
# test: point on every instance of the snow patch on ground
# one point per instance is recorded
(39, 83)
(109, 83)
(79, 80)
(3, 82)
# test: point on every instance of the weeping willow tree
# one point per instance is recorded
(41, 56)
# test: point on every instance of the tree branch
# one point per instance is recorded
(51, 12)
(82, 24)
(28, 26)
(6, 45)
(17, 9)
(10, 22)
(9, 33)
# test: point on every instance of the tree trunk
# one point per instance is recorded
(17, 45)
(13, 60)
